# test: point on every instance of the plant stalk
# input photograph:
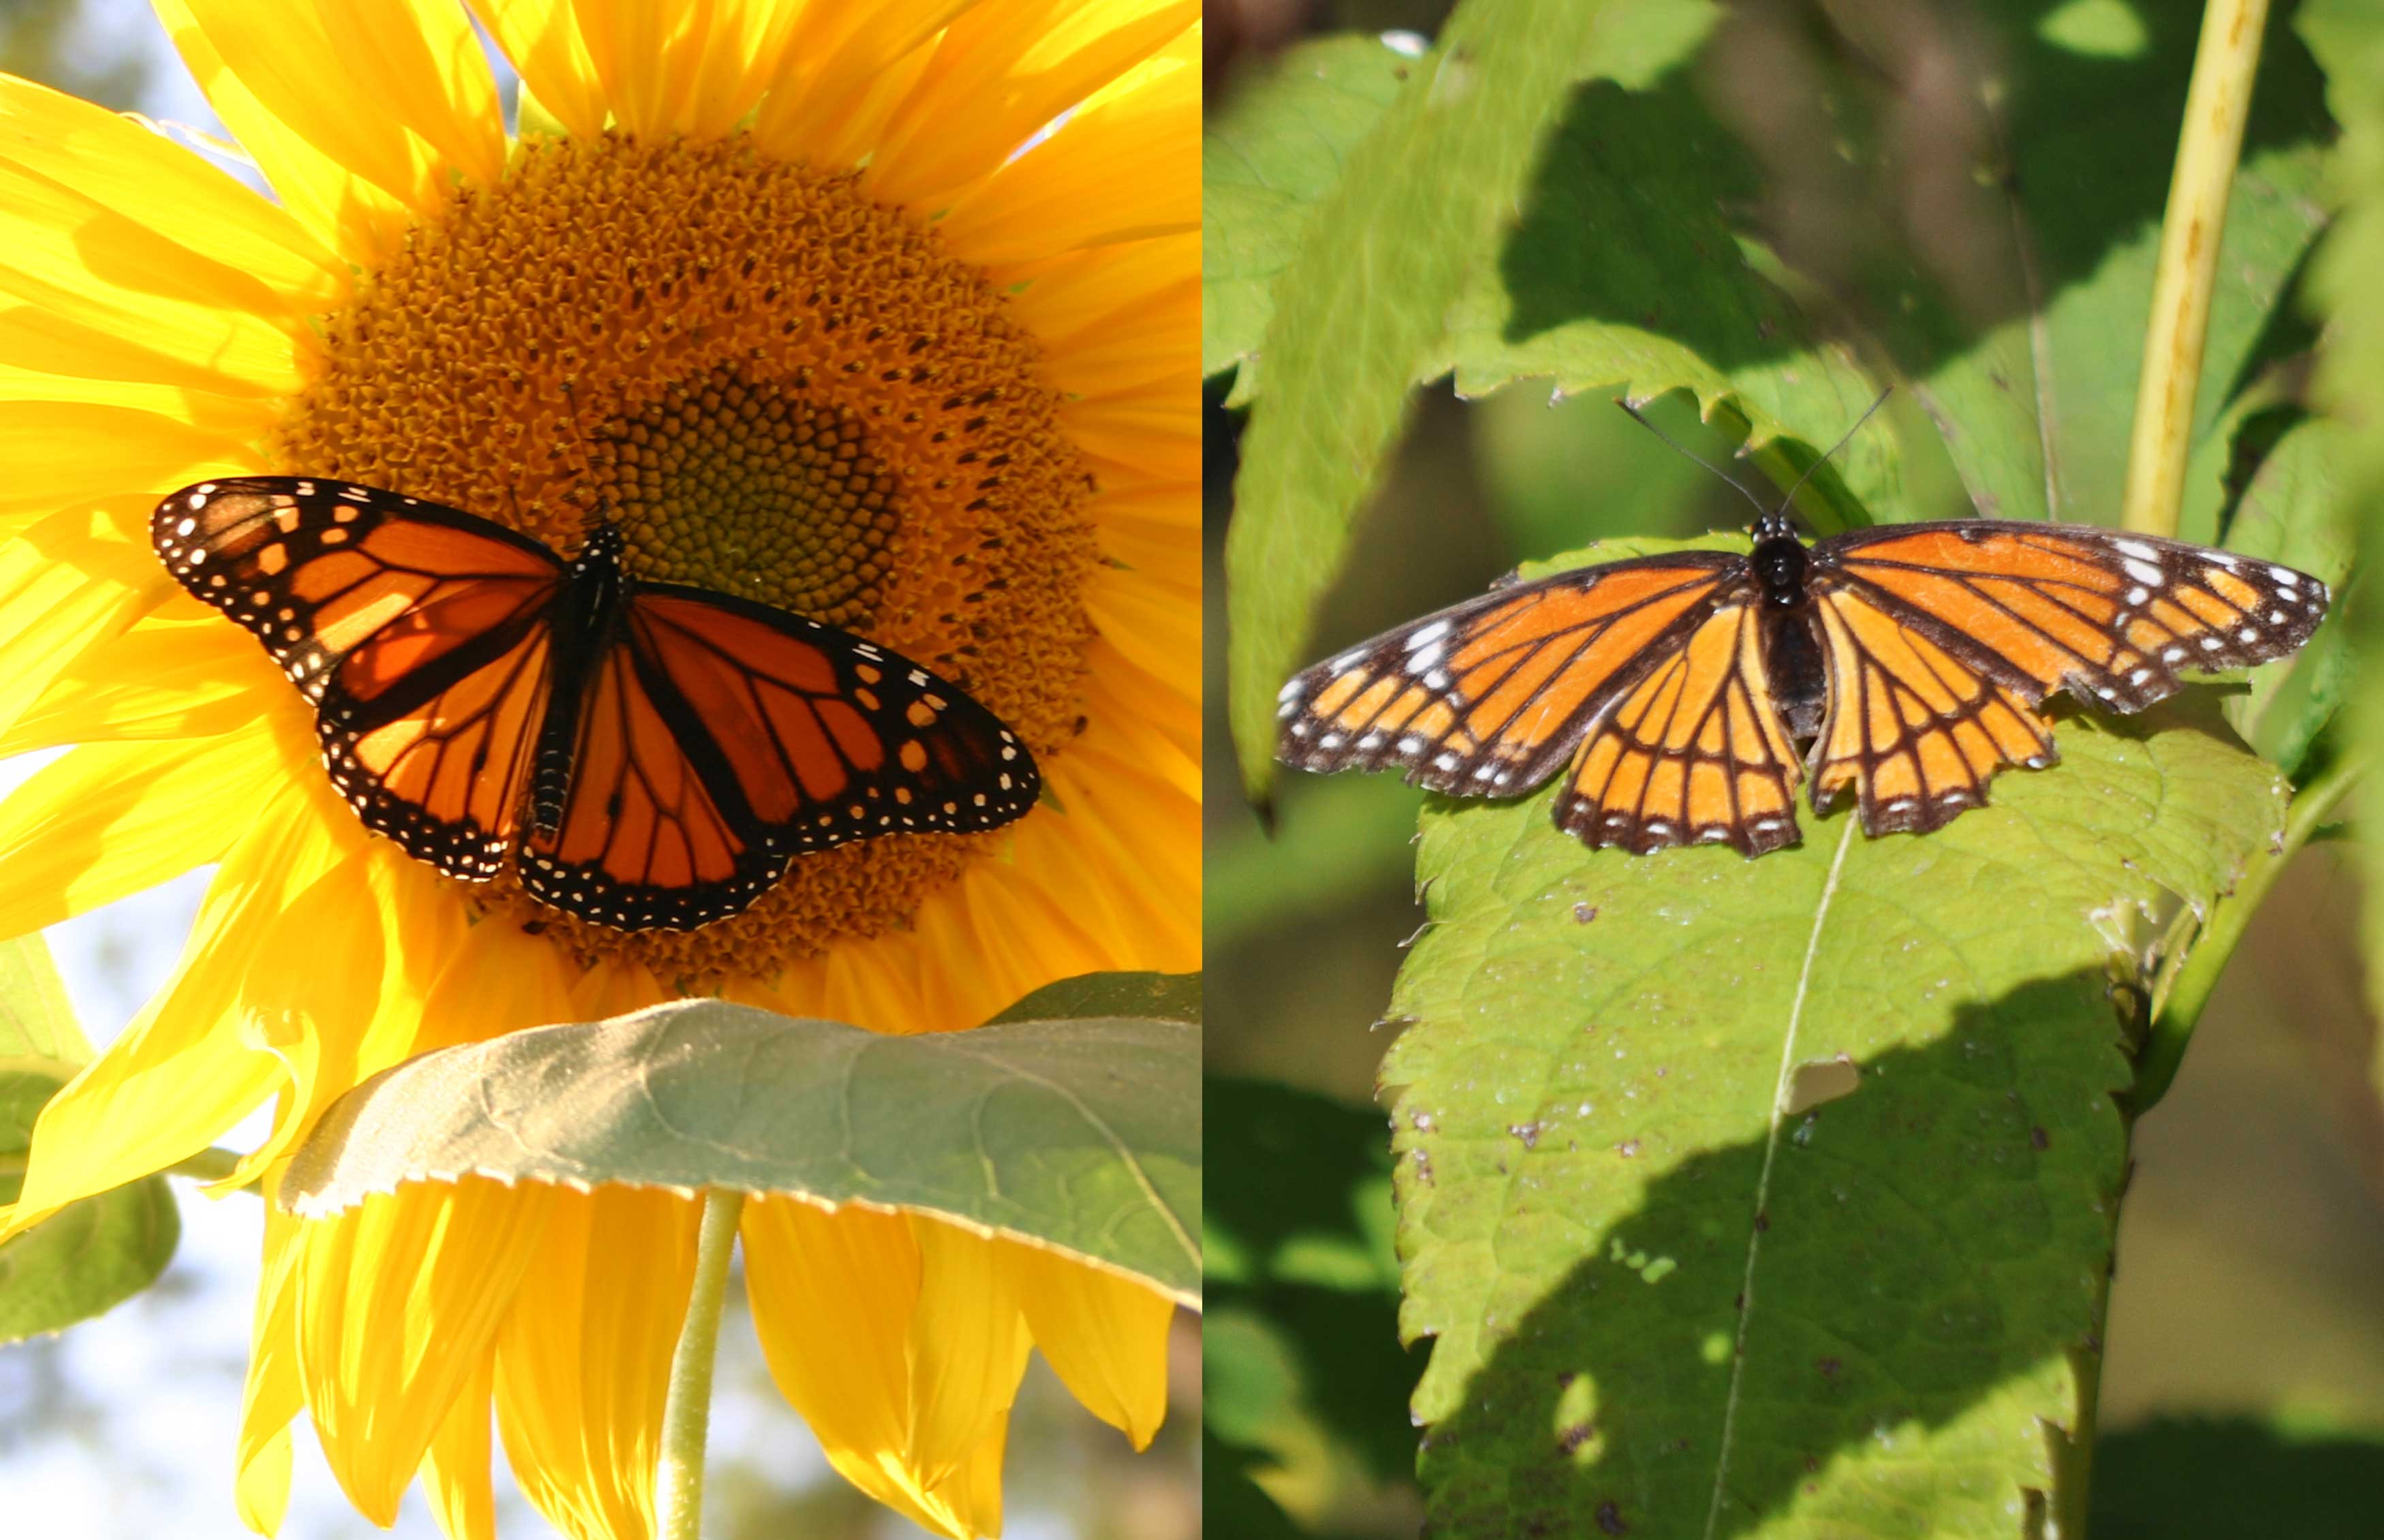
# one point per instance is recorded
(687, 1408)
(2164, 1047)
(2217, 102)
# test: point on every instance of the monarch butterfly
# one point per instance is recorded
(651, 754)
(1911, 657)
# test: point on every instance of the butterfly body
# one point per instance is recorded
(1685, 696)
(647, 754)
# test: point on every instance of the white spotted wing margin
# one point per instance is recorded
(1490, 697)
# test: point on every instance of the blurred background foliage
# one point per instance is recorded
(2242, 1386)
(123, 1428)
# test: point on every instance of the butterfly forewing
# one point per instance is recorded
(2112, 617)
(1489, 697)
(416, 631)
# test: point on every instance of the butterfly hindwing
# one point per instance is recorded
(1491, 696)
(416, 631)
(1694, 753)
(722, 738)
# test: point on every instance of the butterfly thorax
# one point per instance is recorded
(1792, 649)
(586, 607)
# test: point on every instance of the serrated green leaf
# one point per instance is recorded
(36, 1018)
(1269, 154)
(1625, 272)
(2026, 343)
(1362, 308)
(1776, 1197)
(1159, 997)
(1080, 1135)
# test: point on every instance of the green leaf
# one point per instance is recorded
(1301, 1342)
(1777, 1197)
(1625, 272)
(2236, 1476)
(1269, 154)
(1361, 309)
(1160, 997)
(90, 1256)
(1080, 1135)
(2018, 307)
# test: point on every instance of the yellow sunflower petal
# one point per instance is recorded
(160, 679)
(1104, 1335)
(353, 178)
(455, 1474)
(583, 1361)
(494, 980)
(399, 1300)
(181, 1074)
(112, 819)
(46, 446)
(147, 225)
(969, 1344)
(832, 1296)
(1001, 73)
(1076, 293)
(541, 39)
(687, 69)
(1154, 339)
(68, 583)
(1125, 168)
(845, 68)
(272, 1397)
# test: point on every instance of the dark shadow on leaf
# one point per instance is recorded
(1890, 1298)
(2175, 1478)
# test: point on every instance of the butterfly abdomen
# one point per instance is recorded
(587, 612)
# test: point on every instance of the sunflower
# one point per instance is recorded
(880, 311)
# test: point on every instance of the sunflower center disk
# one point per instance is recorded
(777, 389)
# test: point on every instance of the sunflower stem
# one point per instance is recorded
(2209, 143)
(2164, 1050)
(208, 1165)
(687, 1408)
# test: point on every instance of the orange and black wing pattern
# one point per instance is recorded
(1694, 753)
(418, 632)
(1943, 638)
(2111, 617)
(719, 739)
(1490, 697)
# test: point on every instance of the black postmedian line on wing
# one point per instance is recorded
(1980, 657)
(1604, 700)
(1589, 633)
(647, 624)
(696, 744)
(354, 713)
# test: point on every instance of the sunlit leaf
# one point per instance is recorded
(1777, 1196)
(1082, 1133)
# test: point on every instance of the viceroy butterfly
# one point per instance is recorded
(651, 754)
(1674, 689)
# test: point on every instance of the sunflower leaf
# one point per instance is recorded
(90, 1256)
(1751, 1197)
(1359, 311)
(1159, 997)
(1269, 154)
(1082, 1135)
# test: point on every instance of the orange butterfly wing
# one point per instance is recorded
(1488, 698)
(416, 631)
(720, 739)
(1694, 753)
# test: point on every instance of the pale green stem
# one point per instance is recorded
(687, 1408)
(2198, 975)
(2208, 145)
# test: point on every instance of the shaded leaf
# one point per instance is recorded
(1662, 1301)
(1269, 154)
(1160, 997)
(1361, 309)
(1081, 1135)
(2234, 1477)
(90, 1256)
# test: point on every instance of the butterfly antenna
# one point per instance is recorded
(1843, 439)
(1640, 418)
